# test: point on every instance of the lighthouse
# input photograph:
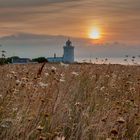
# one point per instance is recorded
(68, 56)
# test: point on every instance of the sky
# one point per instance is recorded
(118, 20)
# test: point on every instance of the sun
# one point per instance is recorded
(95, 33)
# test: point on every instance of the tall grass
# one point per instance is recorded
(69, 102)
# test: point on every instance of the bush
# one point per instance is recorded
(40, 59)
(3, 61)
(9, 59)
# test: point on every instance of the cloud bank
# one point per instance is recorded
(119, 19)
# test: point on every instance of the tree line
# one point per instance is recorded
(8, 60)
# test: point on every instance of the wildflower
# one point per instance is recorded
(43, 84)
(46, 74)
(0, 96)
(12, 72)
(15, 109)
(39, 128)
(60, 138)
(18, 82)
(77, 104)
(75, 73)
(15, 91)
(102, 88)
(53, 68)
(6, 123)
(135, 105)
(107, 76)
(132, 89)
(42, 138)
(9, 75)
(24, 79)
(120, 120)
(64, 65)
(108, 139)
(106, 94)
(62, 75)
(62, 80)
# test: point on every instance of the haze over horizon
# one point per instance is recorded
(31, 45)
(40, 28)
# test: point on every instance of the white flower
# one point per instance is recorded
(64, 65)
(43, 84)
(15, 91)
(102, 88)
(75, 73)
(46, 74)
(6, 123)
(15, 109)
(77, 103)
(40, 128)
(18, 81)
(107, 76)
(60, 138)
(62, 80)
(24, 79)
(120, 120)
(108, 139)
(13, 72)
(53, 68)
(9, 75)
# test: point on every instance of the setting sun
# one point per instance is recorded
(95, 33)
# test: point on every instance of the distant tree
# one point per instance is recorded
(40, 59)
(3, 58)
(3, 53)
(9, 59)
(2, 61)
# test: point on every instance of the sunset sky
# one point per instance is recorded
(111, 20)
(117, 19)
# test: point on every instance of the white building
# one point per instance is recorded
(68, 52)
(68, 56)
(55, 59)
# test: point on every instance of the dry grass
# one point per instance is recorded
(69, 102)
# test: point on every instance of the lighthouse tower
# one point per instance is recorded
(68, 52)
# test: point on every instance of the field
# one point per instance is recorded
(69, 102)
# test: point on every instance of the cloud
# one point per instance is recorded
(120, 18)
(31, 3)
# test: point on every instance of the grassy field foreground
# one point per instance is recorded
(69, 102)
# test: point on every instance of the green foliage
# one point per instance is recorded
(9, 59)
(40, 59)
(3, 61)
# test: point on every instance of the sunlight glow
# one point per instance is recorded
(95, 33)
